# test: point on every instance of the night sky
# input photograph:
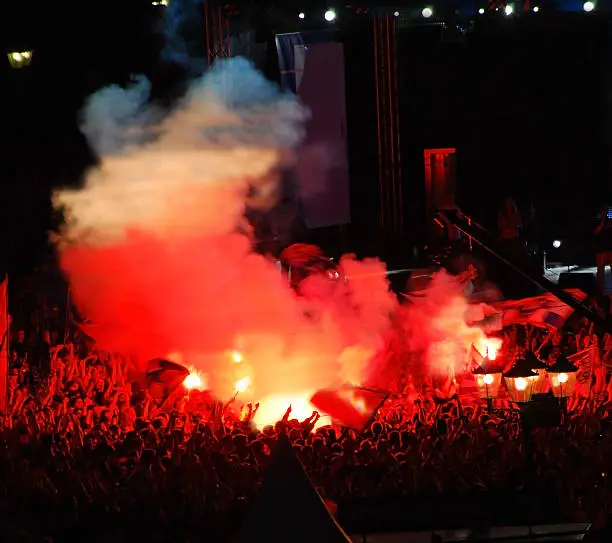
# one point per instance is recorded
(525, 102)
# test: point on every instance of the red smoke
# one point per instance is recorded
(147, 298)
(154, 261)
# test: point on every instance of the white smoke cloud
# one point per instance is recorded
(182, 21)
(231, 129)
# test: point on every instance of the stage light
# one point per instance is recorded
(536, 9)
(301, 15)
(427, 12)
(509, 9)
(557, 244)
(19, 59)
(330, 15)
(396, 14)
(588, 6)
(481, 11)
(163, 3)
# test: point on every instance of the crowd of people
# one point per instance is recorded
(82, 447)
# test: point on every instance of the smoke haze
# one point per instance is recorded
(181, 19)
(154, 259)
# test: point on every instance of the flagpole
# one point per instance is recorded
(7, 348)
(67, 317)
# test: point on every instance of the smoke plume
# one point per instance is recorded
(434, 323)
(153, 254)
(182, 19)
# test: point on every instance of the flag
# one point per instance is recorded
(4, 344)
(351, 407)
(545, 311)
(164, 377)
(288, 507)
(585, 361)
(475, 357)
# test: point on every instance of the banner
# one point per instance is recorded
(545, 311)
(586, 361)
(312, 66)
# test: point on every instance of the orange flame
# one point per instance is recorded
(272, 409)
(194, 380)
(237, 357)
(489, 347)
(243, 384)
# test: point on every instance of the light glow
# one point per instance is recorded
(194, 381)
(19, 59)
(237, 357)
(330, 15)
(520, 384)
(243, 384)
(273, 408)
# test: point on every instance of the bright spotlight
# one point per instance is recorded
(481, 11)
(509, 9)
(427, 12)
(330, 15)
(301, 15)
(396, 14)
(556, 244)
(588, 6)
(20, 59)
(536, 9)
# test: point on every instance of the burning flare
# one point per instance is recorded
(194, 381)
(155, 258)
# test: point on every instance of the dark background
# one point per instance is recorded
(524, 100)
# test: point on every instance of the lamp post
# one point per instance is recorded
(536, 365)
(519, 382)
(488, 380)
(562, 376)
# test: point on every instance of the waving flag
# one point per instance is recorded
(351, 407)
(545, 311)
(476, 357)
(164, 377)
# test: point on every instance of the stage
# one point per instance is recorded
(554, 271)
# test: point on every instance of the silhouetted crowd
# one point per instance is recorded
(86, 453)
